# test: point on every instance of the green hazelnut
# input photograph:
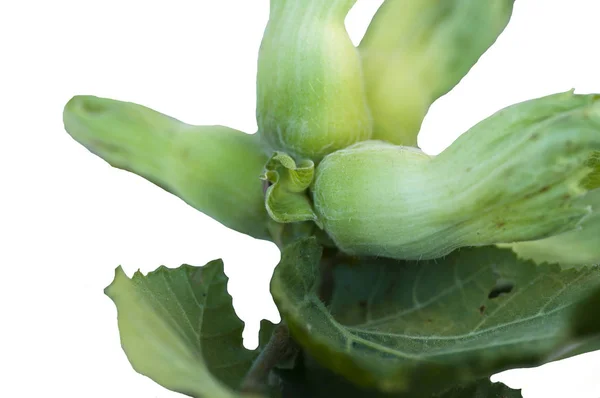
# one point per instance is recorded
(515, 176)
(311, 99)
(416, 51)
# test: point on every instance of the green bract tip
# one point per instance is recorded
(215, 169)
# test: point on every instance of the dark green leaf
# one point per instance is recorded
(308, 379)
(585, 321)
(483, 388)
(430, 325)
(179, 328)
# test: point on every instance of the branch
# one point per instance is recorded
(279, 348)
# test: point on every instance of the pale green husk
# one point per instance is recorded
(580, 247)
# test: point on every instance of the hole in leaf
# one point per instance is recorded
(502, 287)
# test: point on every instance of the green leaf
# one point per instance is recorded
(416, 51)
(574, 248)
(178, 327)
(264, 334)
(584, 323)
(484, 388)
(214, 169)
(286, 198)
(308, 379)
(427, 326)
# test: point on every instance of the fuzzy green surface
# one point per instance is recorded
(215, 169)
(310, 91)
(513, 177)
(416, 51)
(570, 249)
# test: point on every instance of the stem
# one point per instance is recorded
(280, 347)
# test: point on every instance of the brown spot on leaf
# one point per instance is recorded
(482, 309)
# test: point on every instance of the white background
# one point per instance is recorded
(68, 219)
